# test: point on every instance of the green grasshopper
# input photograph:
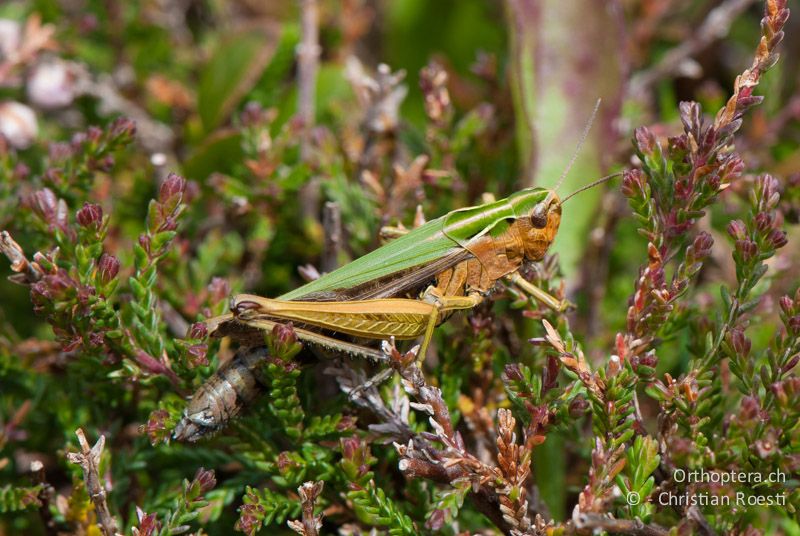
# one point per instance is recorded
(403, 290)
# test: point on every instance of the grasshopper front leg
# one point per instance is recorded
(548, 299)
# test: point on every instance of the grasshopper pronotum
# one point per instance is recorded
(402, 290)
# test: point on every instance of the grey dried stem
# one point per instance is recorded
(28, 272)
(310, 524)
(308, 53)
(89, 460)
(332, 245)
(307, 66)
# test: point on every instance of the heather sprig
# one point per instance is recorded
(13, 498)
(72, 166)
(282, 374)
(636, 480)
(370, 502)
(187, 508)
(143, 312)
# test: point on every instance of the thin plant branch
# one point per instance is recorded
(716, 25)
(89, 460)
(332, 245)
(598, 522)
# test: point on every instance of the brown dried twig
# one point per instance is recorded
(492, 487)
(89, 460)
(596, 522)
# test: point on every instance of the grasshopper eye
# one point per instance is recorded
(539, 216)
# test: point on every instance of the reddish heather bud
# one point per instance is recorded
(690, 116)
(21, 172)
(649, 360)
(284, 334)
(107, 268)
(702, 244)
(252, 114)
(732, 168)
(346, 424)
(794, 324)
(94, 135)
(780, 393)
(156, 426)
(741, 344)
(205, 479)
(750, 408)
(144, 241)
(91, 215)
(283, 343)
(632, 181)
(96, 339)
(737, 230)
(713, 182)
(198, 330)
(578, 407)
(787, 306)
(77, 141)
(769, 191)
(645, 140)
(59, 151)
(148, 523)
(44, 204)
(791, 363)
(124, 128)
(174, 185)
(105, 165)
(513, 372)
(197, 355)
(747, 248)
(54, 176)
(777, 238)
(436, 520)
(251, 517)
(764, 221)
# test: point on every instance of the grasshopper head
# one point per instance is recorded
(541, 225)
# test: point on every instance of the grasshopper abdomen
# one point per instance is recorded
(223, 396)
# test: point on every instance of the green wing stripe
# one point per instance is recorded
(420, 246)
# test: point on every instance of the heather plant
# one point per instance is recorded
(158, 158)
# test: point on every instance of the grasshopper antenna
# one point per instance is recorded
(592, 185)
(584, 135)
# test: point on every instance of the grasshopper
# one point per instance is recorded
(401, 290)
